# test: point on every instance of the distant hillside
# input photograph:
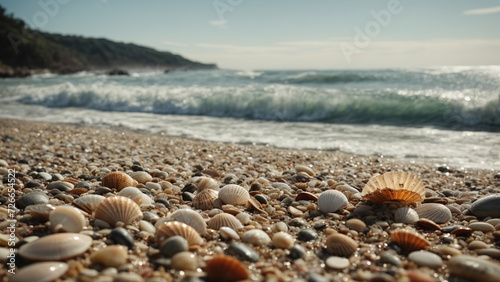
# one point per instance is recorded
(23, 50)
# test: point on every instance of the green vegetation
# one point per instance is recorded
(23, 50)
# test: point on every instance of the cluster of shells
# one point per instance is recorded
(243, 216)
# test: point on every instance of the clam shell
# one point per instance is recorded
(111, 256)
(341, 245)
(224, 219)
(436, 212)
(204, 199)
(118, 209)
(40, 272)
(56, 247)
(88, 203)
(132, 193)
(190, 218)
(394, 186)
(41, 212)
(67, 219)
(118, 180)
(172, 228)
(303, 168)
(331, 201)
(233, 194)
(409, 240)
(226, 269)
(406, 215)
(306, 196)
(228, 233)
(356, 224)
(282, 240)
(256, 237)
(141, 177)
(207, 183)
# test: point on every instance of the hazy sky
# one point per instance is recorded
(286, 34)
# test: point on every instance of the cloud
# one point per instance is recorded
(219, 23)
(483, 11)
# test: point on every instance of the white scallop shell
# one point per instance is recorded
(224, 219)
(436, 212)
(56, 247)
(331, 201)
(406, 215)
(205, 198)
(207, 183)
(118, 209)
(66, 218)
(132, 193)
(172, 228)
(40, 272)
(233, 194)
(88, 203)
(256, 237)
(190, 218)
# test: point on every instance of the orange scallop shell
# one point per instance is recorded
(394, 186)
(225, 269)
(409, 240)
(118, 180)
(172, 228)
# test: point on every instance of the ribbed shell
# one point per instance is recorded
(409, 240)
(224, 219)
(172, 228)
(331, 201)
(207, 183)
(190, 218)
(118, 180)
(341, 245)
(56, 247)
(132, 193)
(118, 208)
(406, 215)
(88, 203)
(67, 218)
(204, 199)
(225, 269)
(233, 194)
(40, 272)
(436, 212)
(256, 237)
(394, 186)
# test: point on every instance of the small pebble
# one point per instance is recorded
(297, 252)
(242, 252)
(121, 236)
(174, 245)
(307, 235)
(425, 258)
(481, 226)
(184, 261)
(337, 263)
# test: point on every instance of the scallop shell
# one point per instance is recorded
(190, 218)
(282, 240)
(67, 219)
(331, 201)
(204, 199)
(394, 186)
(40, 272)
(436, 212)
(172, 228)
(341, 245)
(111, 256)
(88, 203)
(409, 240)
(56, 247)
(224, 268)
(224, 219)
(132, 193)
(406, 215)
(256, 237)
(207, 183)
(233, 194)
(118, 180)
(118, 209)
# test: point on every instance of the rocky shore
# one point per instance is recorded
(204, 211)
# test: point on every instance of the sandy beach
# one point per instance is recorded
(284, 186)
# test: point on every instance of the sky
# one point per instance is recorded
(286, 34)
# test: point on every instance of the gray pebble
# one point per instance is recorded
(174, 245)
(243, 252)
(390, 258)
(33, 198)
(297, 252)
(60, 185)
(121, 236)
(487, 206)
(307, 235)
(424, 258)
(474, 269)
(82, 184)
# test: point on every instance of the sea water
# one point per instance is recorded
(439, 115)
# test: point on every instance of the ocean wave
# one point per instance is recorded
(315, 78)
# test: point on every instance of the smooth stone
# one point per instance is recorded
(187, 196)
(449, 229)
(487, 206)
(45, 176)
(82, 184)
(307, 235)
(297, 222)
(121, 236)
(424, 258)
(287, 201)
(261, 199)
(33, 198)
(60, 185)
(128, 277)
(474, 245)
(390, 258)
(337, 263)
(243, 252)
(481, 226)
(184, 261)
(315, 277)
(174, 245)
(297, 252)
(150, 217)
(494, 253)
(474, 269)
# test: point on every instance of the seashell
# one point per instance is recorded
(438, 213)
(132, 193)
(474, 268)
(428, 224)
(118, 180)
(111, 256)
(204, 199)
(190, 218)
(118, 209)
(72, 180)
(256, 237)
(141, 177)
(409, 240)
(303, 168)
(400, 187)
(172, 228)
(67, 219)
(255, 204)
(306, 196)
(356, 224)
(462, 231)
(88, 203)
(224, 219)
(233, 194)
(486, 207)
(226, 269)
(282, 240)
(207, 183)
(406, 215)
(331, 201)
(184, 261)
(40, 272)
(41, 212)
(56, 247)
(228, 233)
(341, 245)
